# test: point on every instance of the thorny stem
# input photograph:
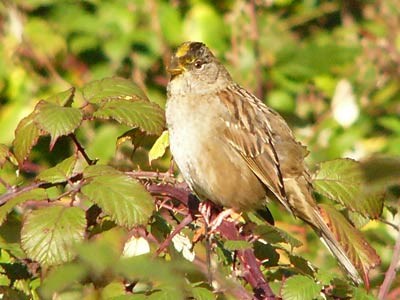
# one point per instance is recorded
(252, 273)
(15, 192)
(80, 148)
(234, 289)
(391, 271)
(187, 220)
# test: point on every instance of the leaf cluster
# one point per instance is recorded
(84, 209)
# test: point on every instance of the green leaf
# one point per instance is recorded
(273, 235)
(26, 136)
(137, 137)
(143, 266)
(32, 195)
(361, 294)
(300, 287)
(114, 88)
(113, 289)
(301, 265)
(10, 237)
(60, 172)
(266, 253)
(200, 293)
(98, 170)
(159, 146)
(49, 234)
(64, 98)
(61, 278)
(237, 245)
(57, 120)
(144, 114)
(106, 256)
(356, 218)
(360, 253)
(341, 180)
(122, 197)
(166, 294)
(169, 277)
(325, 276)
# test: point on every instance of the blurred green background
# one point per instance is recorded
(331, 68)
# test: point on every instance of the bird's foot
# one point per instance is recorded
(215, 223)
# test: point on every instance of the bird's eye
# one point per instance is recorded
(198, 64)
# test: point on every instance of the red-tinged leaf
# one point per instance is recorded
(57, 120)
(358, 250)
(114, 88)
(6, 155)
(143, 114)
(26, 136)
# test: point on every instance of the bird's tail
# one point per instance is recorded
(336, 248)
(304, 206)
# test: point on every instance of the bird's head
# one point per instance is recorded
(193, 63)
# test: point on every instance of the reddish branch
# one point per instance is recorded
(81, 149)
(391, 272)
(228, 230)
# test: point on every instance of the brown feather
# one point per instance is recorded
(277, 159)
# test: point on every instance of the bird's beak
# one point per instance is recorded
(175, 68)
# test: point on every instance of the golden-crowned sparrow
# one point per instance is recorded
(234, 150)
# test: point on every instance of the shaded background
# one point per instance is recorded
(331, 68)
(292, 54)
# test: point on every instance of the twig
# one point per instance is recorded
(165, 177)
(252, 273)
(187, 220)
(80, 148)
(324, 9)
(15, 192)
(391, 271)
(3, 182)
(394, 226)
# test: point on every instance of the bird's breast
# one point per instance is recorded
(208, 163)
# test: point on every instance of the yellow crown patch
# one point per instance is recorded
(183, 49)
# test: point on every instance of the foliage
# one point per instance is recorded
(87, 198)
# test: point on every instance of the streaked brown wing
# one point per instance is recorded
(251, 136)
